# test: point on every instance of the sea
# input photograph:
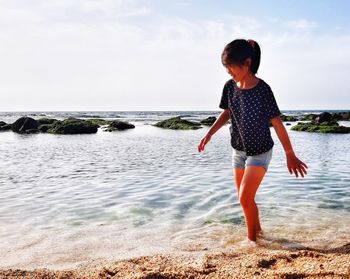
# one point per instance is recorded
(70, 200)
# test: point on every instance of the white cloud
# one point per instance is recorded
(301, 24)
(160, 64)
(13, 16)
(103, 8)
(71, 10)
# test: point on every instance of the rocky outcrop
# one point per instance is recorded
(100, 121)
(68, 126)
(25, 125)
(208, 121)
(286, 118)
(43, 121)
(4, 126)
(324, 122)
(308, 117)
(341, 116)
(118, 126)
(324, 127)
(327, 116)
(323, 117)
(176, 123)
(72, 126)
(46, 123)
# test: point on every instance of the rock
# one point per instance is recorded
(326, 116)
(288, 124)
(343, 116)
(308, 117)
(46, 123)
(209, 120)
(323, 117)
(266, 263)
(285, 118)
(42, 121)
(72, 126)
(44, 127)
(25, 125)
(99, 121)
(32, 131)
(176, 123)
(118, 126)
(4, 126)
(324, 127)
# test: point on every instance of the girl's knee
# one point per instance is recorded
(246, 200)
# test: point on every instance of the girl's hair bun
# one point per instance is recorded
(251, 42)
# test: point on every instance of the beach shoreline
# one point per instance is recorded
(260, 262)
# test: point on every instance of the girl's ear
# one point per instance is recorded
(248, 62)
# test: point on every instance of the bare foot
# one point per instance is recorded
(260, 233)
(247, 243)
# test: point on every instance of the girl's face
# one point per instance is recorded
(238, 72)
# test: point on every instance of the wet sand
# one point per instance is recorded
(260, 262)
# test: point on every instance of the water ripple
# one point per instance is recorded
(107, 186)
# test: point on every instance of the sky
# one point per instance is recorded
(129, 55)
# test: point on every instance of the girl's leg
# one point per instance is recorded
(250, 183)
(237, 177)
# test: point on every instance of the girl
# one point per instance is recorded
(250, 104)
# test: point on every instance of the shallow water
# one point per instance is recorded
(70, 199)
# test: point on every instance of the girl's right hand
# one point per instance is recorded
(295, 165)
(203, 142)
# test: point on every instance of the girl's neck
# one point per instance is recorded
(249, 81)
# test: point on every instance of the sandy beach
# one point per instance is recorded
(260, 262)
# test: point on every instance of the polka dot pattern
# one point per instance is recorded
(250, 112)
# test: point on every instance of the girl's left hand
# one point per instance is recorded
(295, 165)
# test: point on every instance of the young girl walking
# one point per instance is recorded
(250, 104)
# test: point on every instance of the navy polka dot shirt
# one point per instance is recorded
(250, 112)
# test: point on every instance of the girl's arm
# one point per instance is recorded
(293, 163)
(221, 121)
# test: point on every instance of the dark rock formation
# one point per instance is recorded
(43, 121)
(324, 127)
(4, 126)
(72, 126)
(46, 123)
(176, 123)
(285, 118)
(209, 120)
(25, 125)
(44, 127)
(323, 117)
(327, 116)
(342, 116)
(345, 115)
(308, 117)
(100, 121)
(118, 126)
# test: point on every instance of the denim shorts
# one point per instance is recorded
(240, 159)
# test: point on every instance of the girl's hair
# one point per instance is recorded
(236, 52)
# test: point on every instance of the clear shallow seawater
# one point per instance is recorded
(72, 199)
